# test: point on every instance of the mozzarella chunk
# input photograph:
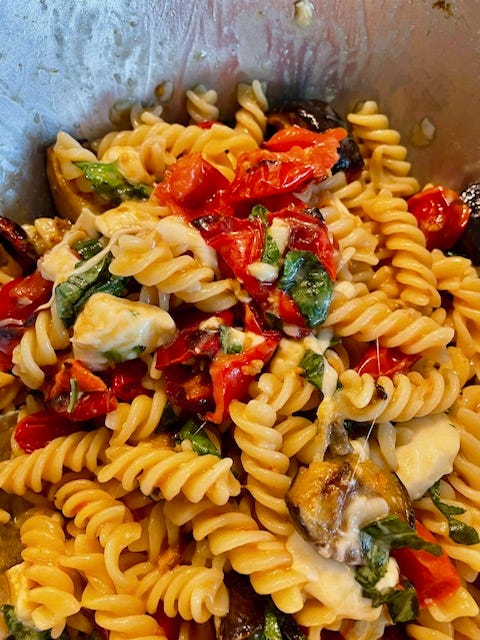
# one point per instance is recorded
(425, 449)
(263, 271)
(58, 263)
(111, 329)
(332, 583)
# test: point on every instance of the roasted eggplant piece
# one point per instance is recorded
(469, 242)
(68, 200)
(252, 616)
(331, 500)
(17, 245)
(318, 116)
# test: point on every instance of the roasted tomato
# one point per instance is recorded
(441, 214)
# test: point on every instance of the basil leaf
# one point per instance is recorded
(306, 280)
(20, 631)
(229, 341)
(71, 295)
(271, 252)
(459, 531)
(108, 183)
(395, 533)
(73, 395)
(201, 443)
(377, 539)
(272, 629)
(89, 248)
(313, 365)
(259, 211)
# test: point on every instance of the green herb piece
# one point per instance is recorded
(313, 365)
(277, 626)
(89, 248)
(229, 340)
(260, 212)
(111, 185)
(271, 252)
(201, 443)
(71, 295)
(458, 531)
(20, 631)
(112, 355)
(377, 539)
(306, 280)
(73, 395)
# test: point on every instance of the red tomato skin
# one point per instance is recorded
(292, 136)
(308, 233)
(126, 380)
(38, 429)
(434, 577)
(441, 214)
(20, 297)
(189, 184)
(232, 374)
(385, 361)
(90, 405)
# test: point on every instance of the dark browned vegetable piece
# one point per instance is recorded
(318, 116)
(329, 500)
(246, 614)
(17, 244)
(469, 242)
(68, 201)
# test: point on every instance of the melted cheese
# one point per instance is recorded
(331, 582)
(425, 449)
(59, 263)
(109, 325)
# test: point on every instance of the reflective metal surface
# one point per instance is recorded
(64, 63)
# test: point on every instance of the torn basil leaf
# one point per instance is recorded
(271, 252)
(458, 531)
(89, 248)
(20, 631)
(229, 340)
(306, 280)
(377, 539)
(201, 443)
(313, 365)
(260, 212)
(71, 295)
(110, 184)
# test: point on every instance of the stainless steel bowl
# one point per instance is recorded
(63, 64)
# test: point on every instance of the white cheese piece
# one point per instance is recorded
(58, 263)
(279, 231)
(360, 511)
(263, 271)
(331, 582)
(391, 578)
(329, 380)
(425, 448)
(113, 329)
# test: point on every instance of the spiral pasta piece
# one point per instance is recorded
(50, 599)
(407, 244)
(152, 465)
(403, 397)
(77, 451)
(94, 510)
(264, 462)
(380, 146)
(159, 259)
(201, 104)
(194, 592)
(38, 348)
(135, 421)
(250, 117)
(368, 316)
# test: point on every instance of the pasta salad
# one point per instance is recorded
(239, 385)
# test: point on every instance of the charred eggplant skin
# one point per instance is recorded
(468, 244)
(246, 613)
(324, 493)
(318, 116)
(17, 244)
